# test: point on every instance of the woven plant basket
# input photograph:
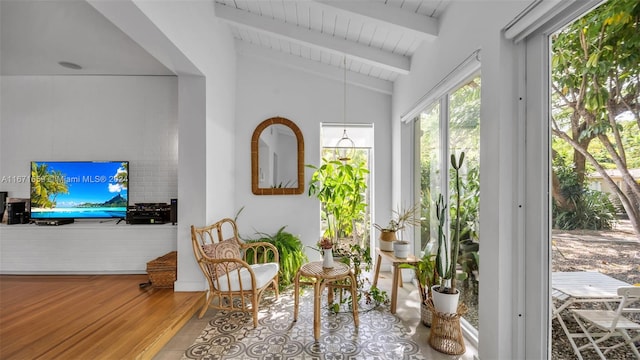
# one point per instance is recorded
(446, 335)
(386, 240)
(425, 314)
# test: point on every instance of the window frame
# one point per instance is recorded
(441, 98)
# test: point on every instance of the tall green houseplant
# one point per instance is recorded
(340, 188)
(447, 256)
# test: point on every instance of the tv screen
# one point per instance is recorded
(79, 189)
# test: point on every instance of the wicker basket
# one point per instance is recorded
(162, 271)
(386, 240)
(425, 314)
(446, 335)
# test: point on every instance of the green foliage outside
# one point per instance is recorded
(596, 101)
(464, 134)
(468, 256)
(591, 209)
(46, 185)
(340, 187)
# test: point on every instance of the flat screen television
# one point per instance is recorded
(79, 189)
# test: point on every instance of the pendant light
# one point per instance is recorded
(345, 147)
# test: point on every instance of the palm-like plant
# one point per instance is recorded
(402, 218)
(46, 185)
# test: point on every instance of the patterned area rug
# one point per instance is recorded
(230, 334)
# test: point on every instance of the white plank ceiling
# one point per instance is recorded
(376, 38)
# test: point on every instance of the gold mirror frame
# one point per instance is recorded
(255, 144)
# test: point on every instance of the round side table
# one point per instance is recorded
(321, 277)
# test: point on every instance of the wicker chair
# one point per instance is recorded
(237, 272)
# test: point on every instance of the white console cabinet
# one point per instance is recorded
(84, 247)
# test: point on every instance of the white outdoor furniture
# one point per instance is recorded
(570, 288)
(600, 325)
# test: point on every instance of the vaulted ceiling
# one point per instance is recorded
(375, 38)
(36, 35)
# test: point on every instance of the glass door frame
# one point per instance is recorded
(535, 110)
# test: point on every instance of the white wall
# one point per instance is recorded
(187, 38)
(469, 26)
(266, 90)
(64, 118)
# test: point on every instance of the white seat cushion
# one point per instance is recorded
(264, 273)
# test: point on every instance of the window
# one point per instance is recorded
(450, 125)
(362, 136)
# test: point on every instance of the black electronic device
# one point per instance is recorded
(174, 211)
(17, 213)
(53, 222)
(3, 203)
(148, 213)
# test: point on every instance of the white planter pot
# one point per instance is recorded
(327, 259)
(401, 249)
(445, 303)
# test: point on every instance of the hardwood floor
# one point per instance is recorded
(88, 317)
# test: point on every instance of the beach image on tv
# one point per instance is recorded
(79, 189)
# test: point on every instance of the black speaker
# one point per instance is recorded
(173, 217)
(3, 203)
(16, 213)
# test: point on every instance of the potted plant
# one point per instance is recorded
(291, 252)
(340, 188)
(402, 218)
(326, 247)
(426, 276)
(445, 295)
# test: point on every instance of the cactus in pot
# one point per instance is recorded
(447, 256)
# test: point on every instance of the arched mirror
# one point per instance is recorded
(277, 158)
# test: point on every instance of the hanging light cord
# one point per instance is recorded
(344, 107)
(345, 138)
